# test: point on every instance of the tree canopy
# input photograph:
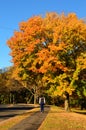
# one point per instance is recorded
(52, 51)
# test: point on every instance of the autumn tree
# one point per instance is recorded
(51, 47)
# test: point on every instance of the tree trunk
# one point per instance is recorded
(66, 101)
(35, 98)
(29, 101)
(13, 98)
(10, 98)
(66, 105)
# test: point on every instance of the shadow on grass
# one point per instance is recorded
(80, 112)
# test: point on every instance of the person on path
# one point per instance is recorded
(42, 103)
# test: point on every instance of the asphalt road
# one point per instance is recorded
(8, 111)
(32, 122)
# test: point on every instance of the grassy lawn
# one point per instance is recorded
(58, 119)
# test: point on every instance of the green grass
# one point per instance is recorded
(58, 119)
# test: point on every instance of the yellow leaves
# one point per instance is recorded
(56, 48)
(61, 89)
(55, 37)
(45, 78)
(81, 61)
(43, 69)
(63, 86)
(43, 54)
(48, 61)
(53, 48)
(30, 48)
(74, 30)
(22, 26)
(15, 73)
(34, 26)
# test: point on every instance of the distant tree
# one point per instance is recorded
(8, 85)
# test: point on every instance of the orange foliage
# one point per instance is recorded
(42, 45)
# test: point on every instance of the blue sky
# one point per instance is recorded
(12, 12)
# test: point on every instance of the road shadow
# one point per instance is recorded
(15, 108)
(8, 112)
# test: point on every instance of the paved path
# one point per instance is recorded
(8, 111)
(33, 122)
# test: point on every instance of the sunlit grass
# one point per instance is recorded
(58, 119)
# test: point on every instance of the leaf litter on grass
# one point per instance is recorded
(58, 119)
